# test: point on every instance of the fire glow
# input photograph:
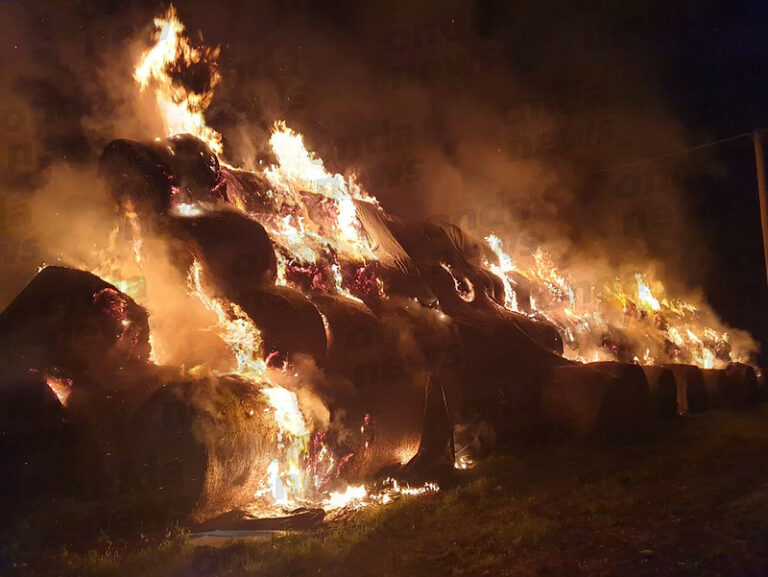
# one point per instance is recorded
(316, 243)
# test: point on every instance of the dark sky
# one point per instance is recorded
(445, 105)
(712, 64)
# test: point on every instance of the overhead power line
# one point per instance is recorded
(675, 153)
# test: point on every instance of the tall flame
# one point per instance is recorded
(181, 108)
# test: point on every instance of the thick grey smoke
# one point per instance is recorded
(499, 116)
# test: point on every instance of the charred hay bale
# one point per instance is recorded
(236, 250)
(353, 337)
(480, 309)
(743, 386)
(137, 175)
(663, 389)
(378, 369)
(194, 166)
(153, 177)
(201, 448)
(289, 323)
(73, 320)
(592, 403)
(691, 390)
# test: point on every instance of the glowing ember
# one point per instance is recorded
(358, 496)
(464, 287)
(61, 387)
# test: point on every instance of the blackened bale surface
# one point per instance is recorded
(73, 320)
(236, 250)
(200, 448)
(138, 175)
(289, 323)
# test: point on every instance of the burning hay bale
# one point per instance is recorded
(381, 365)
(691, 389)
(663, 389)
(236, 250)
(289, 323)
(88, 344)
(201, 448)
(152, 177)
(75, 321)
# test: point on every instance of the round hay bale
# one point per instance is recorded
(137, 174)
(353, 335)
(663, 389)
(628, 406)
(73, 320)
(41, 450)
(743, 387)
(572, 400)
(719, 387)
(289, 323)
(198, 449)
(691, 390)
(608, 402)
(236, 250)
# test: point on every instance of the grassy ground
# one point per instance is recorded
(692, 502)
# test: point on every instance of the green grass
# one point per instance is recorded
(693, 501)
